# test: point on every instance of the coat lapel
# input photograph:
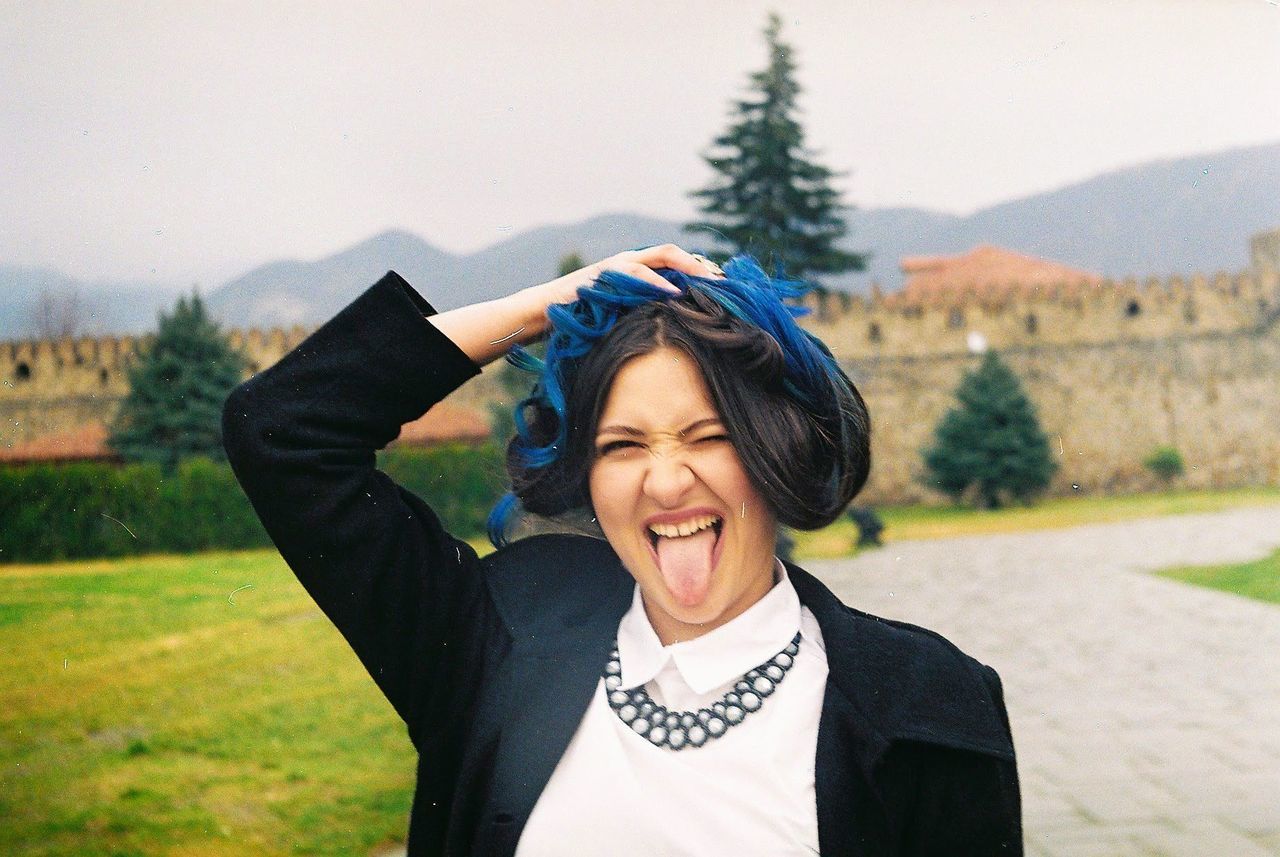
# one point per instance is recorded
(851, 817)
(550, 691)
(549, 679)
(886, 682)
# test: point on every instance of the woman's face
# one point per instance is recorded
(674, 500)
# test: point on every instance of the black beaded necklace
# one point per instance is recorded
(676, 730)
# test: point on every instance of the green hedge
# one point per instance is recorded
(461, 483)
(80, 511)
(77, 511)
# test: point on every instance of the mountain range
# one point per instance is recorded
(1181, 216)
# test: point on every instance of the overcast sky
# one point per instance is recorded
(187, 141)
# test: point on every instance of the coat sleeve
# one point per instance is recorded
(964, 803)
(301, 438)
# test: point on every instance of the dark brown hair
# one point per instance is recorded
(807, 461)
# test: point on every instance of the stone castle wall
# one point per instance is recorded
(1104, 406)
(46, 387)
(1007, 315)
(1114, 369)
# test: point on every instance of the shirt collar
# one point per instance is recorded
(718, 656)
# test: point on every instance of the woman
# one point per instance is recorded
(672, 688)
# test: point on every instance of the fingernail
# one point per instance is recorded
(708, 264)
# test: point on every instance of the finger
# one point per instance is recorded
(715, 269)
(641, 271)
(676, 257)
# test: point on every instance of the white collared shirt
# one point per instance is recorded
(748, 792)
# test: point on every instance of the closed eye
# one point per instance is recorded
(713, 438)
(616, 446)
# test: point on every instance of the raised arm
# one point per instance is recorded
(301, 437)
(485, 331)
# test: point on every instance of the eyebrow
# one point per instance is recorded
(632, 431)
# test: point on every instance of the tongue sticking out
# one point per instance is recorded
(685, 563)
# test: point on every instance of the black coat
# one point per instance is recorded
(491, 662)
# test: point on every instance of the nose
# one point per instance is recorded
(668, 480)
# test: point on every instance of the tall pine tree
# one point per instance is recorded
(769, 198)
(991, 442)
(176, 390)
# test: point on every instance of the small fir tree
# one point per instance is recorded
(769, 198)
(1165, 462)
(176, 390)
(992, 442)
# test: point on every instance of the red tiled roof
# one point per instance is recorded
(444, 422)
(985, 269)
(87, 442)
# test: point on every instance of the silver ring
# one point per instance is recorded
(708, 264)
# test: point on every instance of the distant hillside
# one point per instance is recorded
(1165, 217)
(1181, 216)
(1187, 215)
(300, 292)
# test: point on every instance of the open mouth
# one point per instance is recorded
(686, 554)
(684, 529)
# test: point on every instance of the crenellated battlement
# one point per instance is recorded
(1004, 315)
(857, 327)
(96, 366)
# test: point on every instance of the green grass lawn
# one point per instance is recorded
(1259, 579)
(189, 706)
(202, 706)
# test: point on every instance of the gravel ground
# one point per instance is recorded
(1146, 712)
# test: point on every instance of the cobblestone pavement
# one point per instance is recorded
(1146, 713)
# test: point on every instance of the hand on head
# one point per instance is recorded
(640, 264)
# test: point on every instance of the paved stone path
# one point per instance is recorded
(1146, 713)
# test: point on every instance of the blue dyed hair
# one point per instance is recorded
(774, 359)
